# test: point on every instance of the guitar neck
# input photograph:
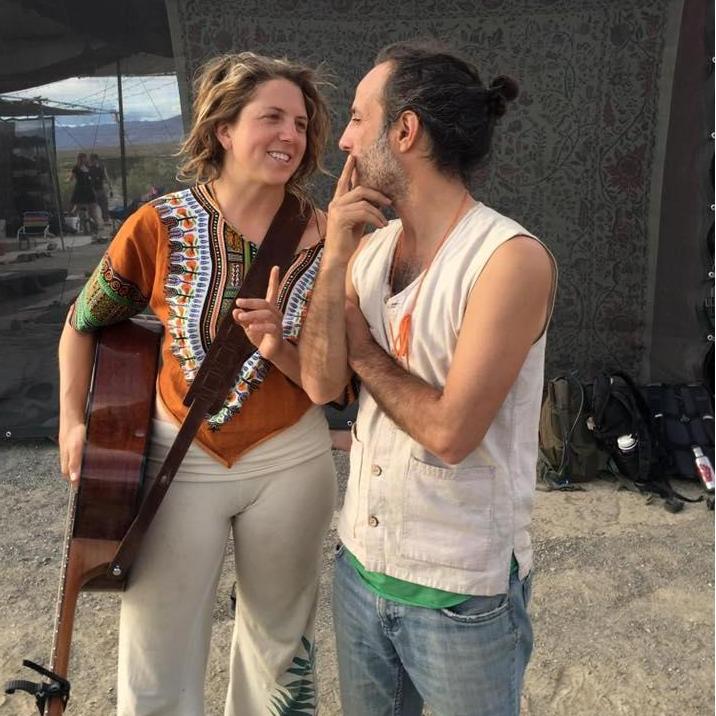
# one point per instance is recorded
(84, 559)
(67, 595)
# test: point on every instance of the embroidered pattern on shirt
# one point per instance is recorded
(203, 278)
(107, 298)
(188, 276)
(295, 294)
(293, 299)
(240, 253)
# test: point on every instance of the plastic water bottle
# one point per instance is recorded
(628, 459)
(704, 468)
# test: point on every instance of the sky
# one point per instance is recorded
(151, 97)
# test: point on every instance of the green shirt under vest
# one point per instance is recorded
(415, 595)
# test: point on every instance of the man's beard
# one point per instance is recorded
(379, 169)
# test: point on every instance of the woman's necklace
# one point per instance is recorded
(401, 342)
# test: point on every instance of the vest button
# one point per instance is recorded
(373, 521)
(376, 470)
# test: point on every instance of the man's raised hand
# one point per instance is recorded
(350, 210)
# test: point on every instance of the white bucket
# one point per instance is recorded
(72, 223)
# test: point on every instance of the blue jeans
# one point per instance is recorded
(467, 660)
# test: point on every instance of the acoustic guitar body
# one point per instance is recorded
(118, 430)
(101, 508)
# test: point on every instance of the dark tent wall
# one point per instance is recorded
(683, 295)
(579, 158)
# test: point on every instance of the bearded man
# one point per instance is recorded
(442, 315)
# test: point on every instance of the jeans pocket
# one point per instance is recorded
(527, 588)
(478, 610)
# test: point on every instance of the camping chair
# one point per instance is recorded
(34, 224)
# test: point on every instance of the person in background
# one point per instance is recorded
(84, 198)
(101, 183)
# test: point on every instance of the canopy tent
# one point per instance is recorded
(42, 41)
(21, 109)
(35, 108)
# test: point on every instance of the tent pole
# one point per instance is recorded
(122, 153)
(52, 166)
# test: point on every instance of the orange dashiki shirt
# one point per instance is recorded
(178, 256)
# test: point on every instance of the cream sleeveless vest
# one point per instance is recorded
(406, 513)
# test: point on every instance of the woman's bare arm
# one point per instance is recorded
(76, 354)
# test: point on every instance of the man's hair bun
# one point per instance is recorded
(502, 90)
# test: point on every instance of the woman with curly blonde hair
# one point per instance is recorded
(261, 466)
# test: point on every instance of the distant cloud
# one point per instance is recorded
(151, 97)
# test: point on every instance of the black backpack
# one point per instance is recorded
(684, 418)
(620, 410)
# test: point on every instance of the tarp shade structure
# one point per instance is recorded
(33, 108)
(42, 41)
(29, 182)
(34, 166)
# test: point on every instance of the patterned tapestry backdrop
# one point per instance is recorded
(577, 159)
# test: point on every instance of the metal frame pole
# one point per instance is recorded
(122, 152)
(52, 166)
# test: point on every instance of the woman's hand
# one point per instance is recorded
(72, 443)
(350, 210)
(261, 319)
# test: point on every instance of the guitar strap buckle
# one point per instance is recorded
(58, 687)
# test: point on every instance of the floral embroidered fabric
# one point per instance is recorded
(180, 257)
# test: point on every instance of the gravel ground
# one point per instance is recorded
(622, 605)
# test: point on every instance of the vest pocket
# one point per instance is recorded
(448, 515)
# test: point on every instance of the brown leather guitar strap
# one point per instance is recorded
(218, 372)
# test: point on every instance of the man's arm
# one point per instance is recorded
(506, 312)
(322, 345)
